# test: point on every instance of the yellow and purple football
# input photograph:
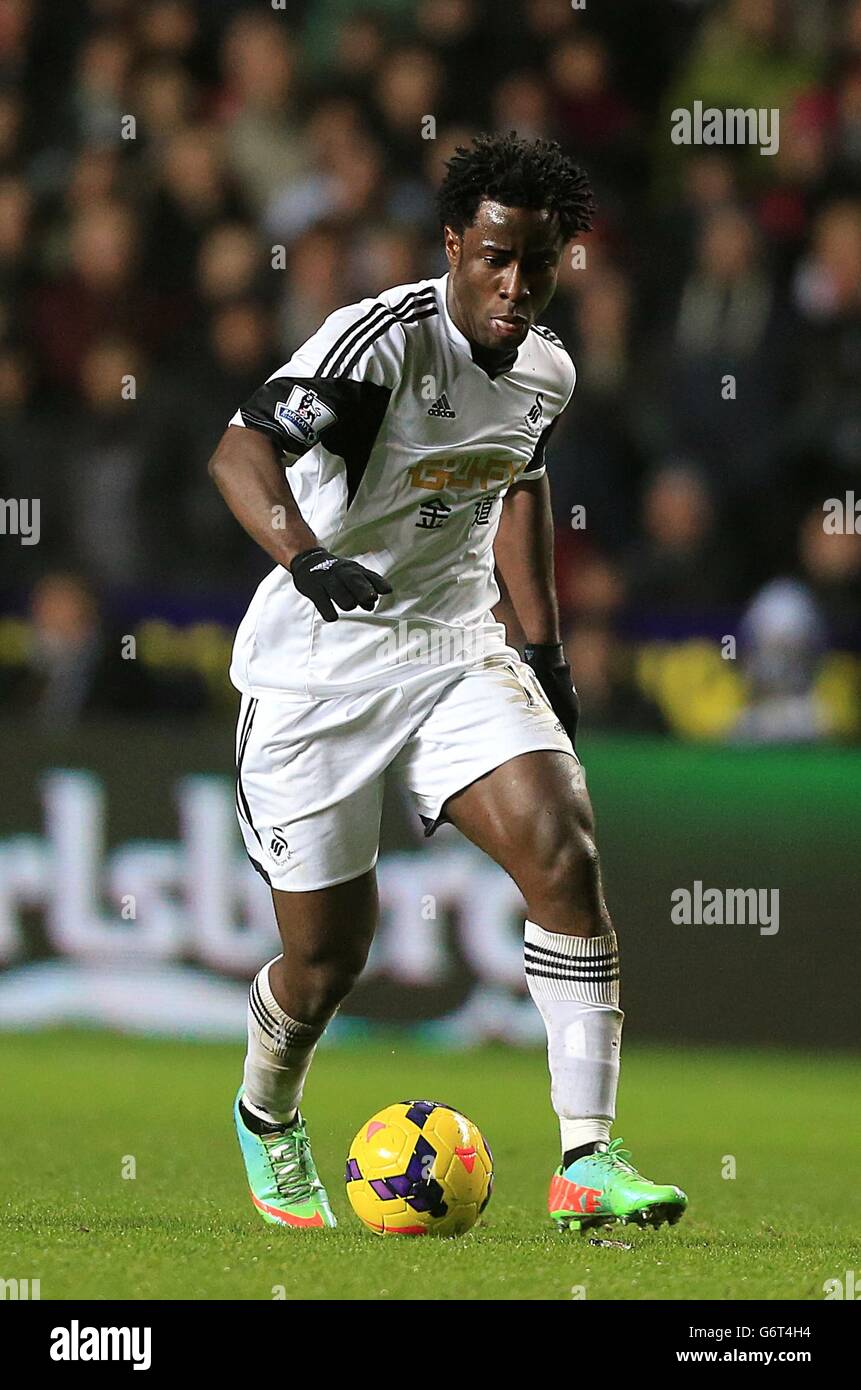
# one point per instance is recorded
(419, 1168)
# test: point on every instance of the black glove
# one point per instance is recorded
(326, 580)
(547, 660)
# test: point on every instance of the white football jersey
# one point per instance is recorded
(404, 448)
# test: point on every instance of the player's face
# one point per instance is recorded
(503, 273)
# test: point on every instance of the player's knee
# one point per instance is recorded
(567, 867)
(576, 871)
(329, 976)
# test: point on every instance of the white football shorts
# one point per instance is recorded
(310, 771)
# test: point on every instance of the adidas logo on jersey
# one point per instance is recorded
(441, 408)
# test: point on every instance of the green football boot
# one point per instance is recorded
(282, 1177)
(603, 1187)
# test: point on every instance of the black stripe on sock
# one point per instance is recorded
(588, 967)
(258, 998)
(563, 955)
(260, 1013)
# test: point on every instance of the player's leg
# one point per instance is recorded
(492, 758)
(309, 797)
(325, 938)
(533, 816)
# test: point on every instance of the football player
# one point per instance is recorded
(385, 468)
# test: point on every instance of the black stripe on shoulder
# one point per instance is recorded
(379, 324)
(421, 312)
(377, 312)
(548, 334)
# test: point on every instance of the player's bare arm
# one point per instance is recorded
(247, 473)
(524, 556)
(251, 481)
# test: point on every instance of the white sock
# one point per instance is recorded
(574, 981)
(576, 1133)
(278, 1057)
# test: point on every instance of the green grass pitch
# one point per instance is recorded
(77, 1105)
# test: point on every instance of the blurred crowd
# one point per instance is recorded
(188, 189)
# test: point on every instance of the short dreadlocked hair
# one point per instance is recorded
(519, 174)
